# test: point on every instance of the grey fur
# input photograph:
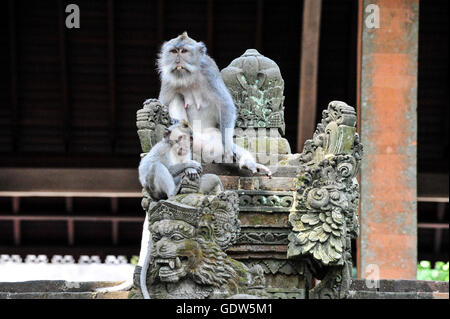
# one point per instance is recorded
(161, 170)
(190, 76)
(210, 184)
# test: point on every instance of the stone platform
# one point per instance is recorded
(388, 289)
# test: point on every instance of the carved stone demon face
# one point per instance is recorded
(175, 253)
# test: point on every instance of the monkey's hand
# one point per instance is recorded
(196, 166)
(191, 173)
(251, 165)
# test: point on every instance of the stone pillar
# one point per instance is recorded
(388, 114)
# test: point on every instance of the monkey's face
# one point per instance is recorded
(183, 60)
(180, 58)
(180, 142)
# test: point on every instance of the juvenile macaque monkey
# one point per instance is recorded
(193, 90)
(161, 170)
(160, 173)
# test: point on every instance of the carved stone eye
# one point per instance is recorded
(176, 237)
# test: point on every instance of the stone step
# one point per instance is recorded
(389, 285)
(399, 289)
(64, 295)
(272, 159)
(49, 286)
(264, 144)
(45, 289)
(226, 169)
(396, 295)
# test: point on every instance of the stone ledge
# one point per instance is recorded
(44, 286)
(389, 285)
(389, 289)
(399, 289)
(64, 295)
(228, 169)
(395, 295)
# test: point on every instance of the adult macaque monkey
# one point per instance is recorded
(193, 90)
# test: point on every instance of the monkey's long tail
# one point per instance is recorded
(143, 277)
(127, 285)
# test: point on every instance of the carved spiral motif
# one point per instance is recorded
(345, 169)
(273, 200)
(335, 195)
(245, 200)
(287, 201)
(266, 201)
(259, 200)
(318, 197)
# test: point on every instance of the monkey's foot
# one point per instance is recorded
(256, 168)
(229, 157)
(263, 169)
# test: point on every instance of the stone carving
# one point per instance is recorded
(274, 266)
(256, 85)
(190, 233)
(265, 200)
(151, 122)
(325, 216)
(271, 237)
(278, 293)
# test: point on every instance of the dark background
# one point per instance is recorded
(68, 97)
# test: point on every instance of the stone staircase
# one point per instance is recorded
(48, 289)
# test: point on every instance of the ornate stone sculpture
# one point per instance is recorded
(190, 233)
(256, 86)
(325, 218)
(296, 226)
(151, 122)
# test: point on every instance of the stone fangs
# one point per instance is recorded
(172, 262)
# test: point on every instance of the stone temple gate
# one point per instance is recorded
(264, 237)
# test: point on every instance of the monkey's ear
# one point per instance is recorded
(202, 48)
